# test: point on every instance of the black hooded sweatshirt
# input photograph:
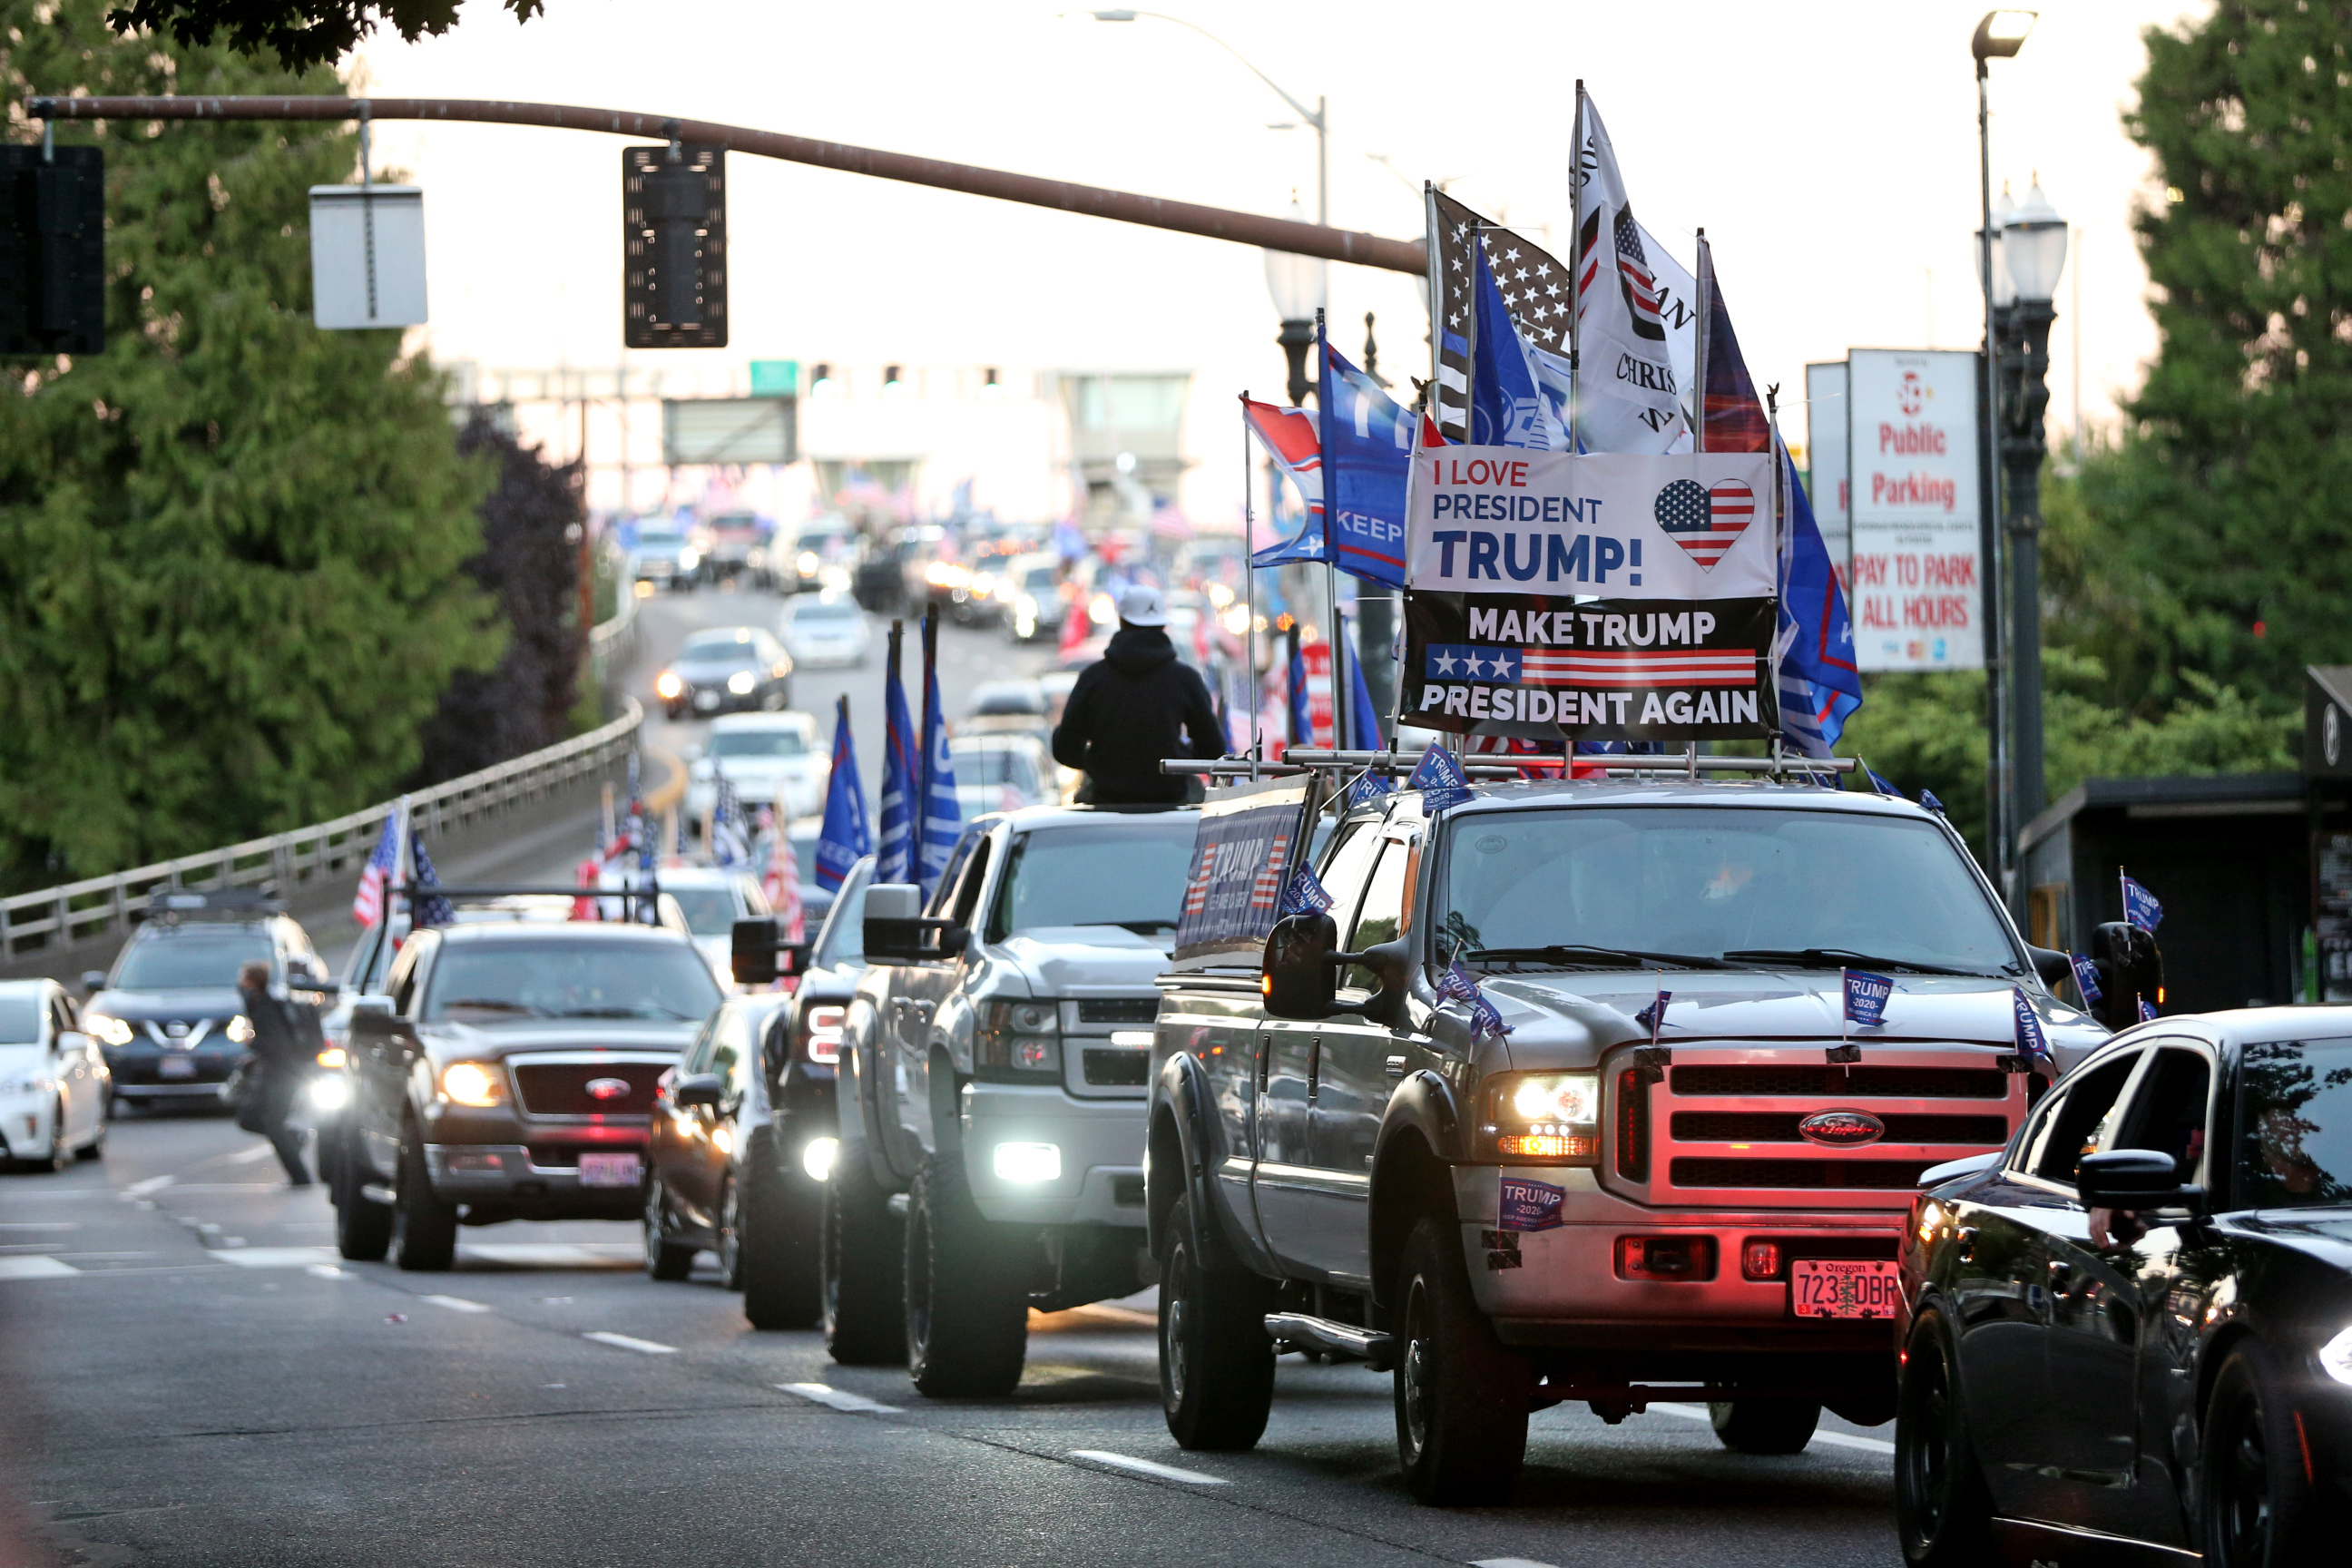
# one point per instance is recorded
(1126, 713)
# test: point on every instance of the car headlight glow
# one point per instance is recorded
(471, 1083)
(1557, 1097)
(334, 1058)
(807, 562)
(1545, 1116)
(106, 1028)
(2336, 1356)
(329, 1093)
(1027, 1163)
(817, 1156)
(240, 1030)
(689, 558)
(742, 682)
(667, 686)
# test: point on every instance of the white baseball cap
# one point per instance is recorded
(1141, 605)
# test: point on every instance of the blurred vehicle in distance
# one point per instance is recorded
(1001, 772)
(726, 669)
(822, 556)
(662, 554)
(768, 757)
(737, 547)
(710, 899)
(828, 630)
(1030, 588)
(54, 1090)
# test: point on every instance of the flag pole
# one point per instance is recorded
(923, 769)
(1576, 277)
(1249, 587)
(1699, 358)
(1330, 549)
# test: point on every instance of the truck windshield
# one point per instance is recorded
(1810, 888)
(510, 981)
(2295, 1124)
(1129, 873)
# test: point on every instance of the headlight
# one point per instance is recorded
(329, 1093)
(240, 1029)
(807, 563)
(333, 1059)
(742, 682)
(667, 686)
(1102, 610)
(817, 1157)
(983, 584)
(1027, 1163)
(471, 1083)
(106, 1029)
(1018, 1040)
(1549, 1117)
(689, 559)
(2335, 1356)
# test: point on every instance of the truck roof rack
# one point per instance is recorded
(166, 904)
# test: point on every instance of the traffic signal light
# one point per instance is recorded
(674, 223)
(52, 250)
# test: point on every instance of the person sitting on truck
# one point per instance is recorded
(1137, 705)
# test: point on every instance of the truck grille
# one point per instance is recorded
(560, 1088)
(1722, 1128)
(1118, 1066)
(1135, 1010)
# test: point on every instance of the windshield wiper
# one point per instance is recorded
(1841, 957)
(1595, 957)
(1146, 928)
(493, 1004)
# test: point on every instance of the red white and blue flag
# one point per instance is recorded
(367, 905)
(1294, 439)
(1706, 521)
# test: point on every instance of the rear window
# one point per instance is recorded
(825, 613)
(488, 982)
(759, 744)
(185, 959)
(1056, 876)
(20, 1021)
(710, 911)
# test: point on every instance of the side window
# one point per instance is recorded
(725, 1043)
(61, 1020)
(699, 1053)
(967, 893)
(1381, 916)
(955, 863)
(2071, 1129)
(1342, 869)
(2168, 1111)
(408, 974)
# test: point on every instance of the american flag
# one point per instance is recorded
(1266, 891)
(1641, 286)
(1589, 667)
(1535, 289)
(731, 834)
(1705, 522)
(427, 908)
(1196, 897)
(367, 905)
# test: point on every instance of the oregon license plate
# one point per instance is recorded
(1842, 1287)
(610, 1170)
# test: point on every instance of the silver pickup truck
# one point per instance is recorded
(1592, 1206)
(992, 1088)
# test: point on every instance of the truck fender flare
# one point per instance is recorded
(1421, 1137)
(854, 1091)
(1179, 1102)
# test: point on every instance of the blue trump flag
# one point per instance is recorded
(1820, 685)
(1866, 997)
(901, 768)
(943, 813)
(2140, 908)
(1508, 408)
(2031, 1040)
(1440, 779)
(1366, 459)
(846, 838)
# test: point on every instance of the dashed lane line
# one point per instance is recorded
(35, 1268)
(1146, 1468)
(329, 1271)
(276, 1257)
(1833, 1439)
(627, 1343)
(455, 1303)
(152, 1185)
(1508, 1563)
(840, 1399)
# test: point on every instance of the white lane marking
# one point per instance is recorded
(40, 1225)
(1147, 1467)
(329, 1271)
(34, 1268)
(1834, 1439)
(839, 1398)
(625, 1343)
(455, 1303)
(1508, 1562)
(249, 1156)
(277, 1257)
(152, 1185)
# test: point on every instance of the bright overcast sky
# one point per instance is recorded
(1829, 149)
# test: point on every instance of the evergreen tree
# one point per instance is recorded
(232, 547)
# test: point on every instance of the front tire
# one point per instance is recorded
(665, 1259)
(2258, 1509)
(1461, 1393)
(424, 1228)
(862, 1262)
(782, 1287)
(1216, 1363)
(362, 1226)
(1943, 1511)
(1764, 1425)
(966, 1289)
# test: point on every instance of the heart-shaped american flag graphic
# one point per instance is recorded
(1706, 522)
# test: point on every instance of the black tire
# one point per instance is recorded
(96, 1148)
(863, 1258)
(362, 1226)
(424, 1228)
(1461, 1394)
(1943, 1511)
(966, 1289)
(1764, 1425)
(665, 1259)
(727, 1236)
(2258, 1509)
(1216, 1363)
(782, 1286)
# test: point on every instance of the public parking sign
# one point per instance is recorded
(1917, 586)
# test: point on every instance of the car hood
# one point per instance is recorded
(137, 1006)
(1082, 960)
(488, 1042)
(701, 670)
(1569, 1019)
(2324, 1234)
(17, 1057)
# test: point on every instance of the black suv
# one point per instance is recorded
(167, 1018)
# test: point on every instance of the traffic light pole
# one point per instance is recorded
(1087, 201)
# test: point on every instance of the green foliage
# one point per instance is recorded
(232, 546)
(304, 33)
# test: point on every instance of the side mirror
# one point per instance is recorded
(758, 953)
(698, 1088)
(2129, 1179)
(1295, 975)
(370, 1008)
(2053, 965)
(1391, 964)
(2130, 970)
(93, 980)
(896, 927)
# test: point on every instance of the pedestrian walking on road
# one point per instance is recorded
(280, 1053)
(1138, 705)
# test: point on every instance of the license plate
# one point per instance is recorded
(176, 1066)
(610, 1170)
(1842, 1287)
(706, 700)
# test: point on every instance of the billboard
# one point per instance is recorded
(1830, 482)
(1916, 586)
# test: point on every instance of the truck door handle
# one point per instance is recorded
(1396, 1067)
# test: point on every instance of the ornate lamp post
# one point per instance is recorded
(2033, 248)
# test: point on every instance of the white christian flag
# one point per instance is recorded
(1629, 399)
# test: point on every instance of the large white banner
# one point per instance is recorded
(1831, 481)
(1515, 520)
(1917, 586)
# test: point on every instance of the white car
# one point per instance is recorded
(54, 1084)
(827, 629)
(768, 757)
(1001, 772)
(712, 898)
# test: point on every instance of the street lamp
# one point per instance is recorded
(1998, 37)
(1300, 284)
(2033, 245)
